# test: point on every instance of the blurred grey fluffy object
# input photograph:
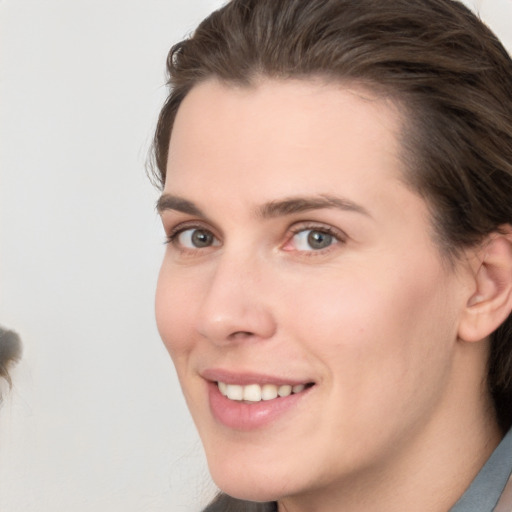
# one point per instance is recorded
(10, 352)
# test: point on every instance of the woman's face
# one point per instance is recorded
(298, 259)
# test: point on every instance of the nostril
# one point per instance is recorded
(241, 335)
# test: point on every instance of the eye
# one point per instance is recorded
(312, 239)
(194, 238)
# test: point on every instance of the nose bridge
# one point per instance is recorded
(234, 305)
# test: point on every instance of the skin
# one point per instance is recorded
(398, 418)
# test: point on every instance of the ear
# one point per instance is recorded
(491, 301)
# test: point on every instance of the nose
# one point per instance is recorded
(235, 307)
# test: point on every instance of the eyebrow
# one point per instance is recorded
(293, 205)
(272, 209)
(179, 204)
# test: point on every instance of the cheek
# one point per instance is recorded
(174, 311)
(381, 332)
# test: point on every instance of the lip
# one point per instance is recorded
(244, 416)
(246, 378)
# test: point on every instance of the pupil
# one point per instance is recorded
(319, 240)
(201, 238)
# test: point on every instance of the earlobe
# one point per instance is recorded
(491, 301)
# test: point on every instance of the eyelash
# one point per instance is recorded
(172, 237)
(338, 236)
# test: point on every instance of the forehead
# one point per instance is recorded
(308, 134)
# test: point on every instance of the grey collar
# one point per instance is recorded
(491, 490)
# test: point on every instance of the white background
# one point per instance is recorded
(95, 420)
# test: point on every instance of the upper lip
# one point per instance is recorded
(246, 378)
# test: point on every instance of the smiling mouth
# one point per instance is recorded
(253, 393)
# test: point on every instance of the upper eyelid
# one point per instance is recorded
(175, 226)
(318, 226)
(179, 229)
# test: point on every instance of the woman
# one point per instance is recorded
(337, 287)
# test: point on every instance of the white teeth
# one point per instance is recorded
(256, 393)
(223, 387)
(234, 392)
(284, 390)
(268, 392)
(252, 393)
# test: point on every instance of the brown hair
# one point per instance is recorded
(434, 58)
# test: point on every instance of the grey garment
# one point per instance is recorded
(484, 492)
(489, 491)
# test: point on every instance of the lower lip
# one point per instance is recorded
(249, 416)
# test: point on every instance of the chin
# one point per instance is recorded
(246, 483)
(249, 491)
